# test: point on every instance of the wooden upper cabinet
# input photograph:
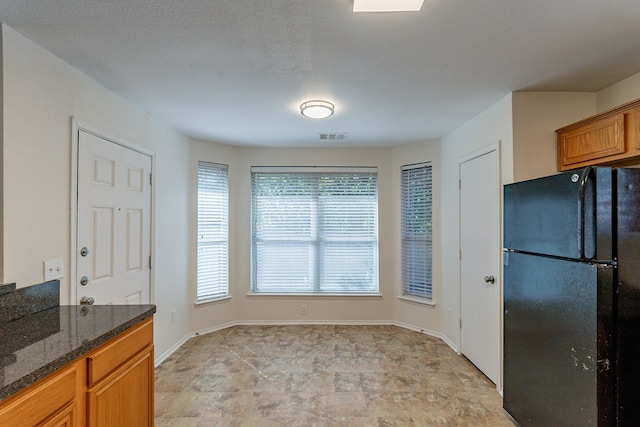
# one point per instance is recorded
(636, 128)
(594, 141)
(609, 138)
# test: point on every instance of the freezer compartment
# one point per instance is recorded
(566, 215)
(558, 318)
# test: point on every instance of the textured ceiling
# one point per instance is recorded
(236, 71)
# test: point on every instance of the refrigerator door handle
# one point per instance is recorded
(584, 177)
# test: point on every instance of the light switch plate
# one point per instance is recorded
(53, 269)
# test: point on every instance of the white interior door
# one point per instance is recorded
(480, 263)
(114, 223)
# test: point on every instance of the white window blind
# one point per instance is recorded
(213, 234)
(416, 230)
(314, 231)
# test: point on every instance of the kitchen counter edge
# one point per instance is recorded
(39, 372)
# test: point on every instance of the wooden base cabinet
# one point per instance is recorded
(51, 402)
(111, 386)
(124, 395)
(66, 417)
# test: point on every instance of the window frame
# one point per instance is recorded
(314, 289)
(217, 286)
(414, 233)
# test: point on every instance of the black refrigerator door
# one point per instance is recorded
(557, 342)
(557, 215)
(628, 297)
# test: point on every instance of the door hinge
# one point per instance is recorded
(149, 261)
(460, 254)
(460, 323)
(459, 184)
(150, 179)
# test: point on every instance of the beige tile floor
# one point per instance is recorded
(254, 376)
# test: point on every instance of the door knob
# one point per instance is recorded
(87, 301)
(489, 279)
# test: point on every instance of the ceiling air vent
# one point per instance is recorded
(333, 136)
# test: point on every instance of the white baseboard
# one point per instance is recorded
(206, 331)
(214, 329)
(314, 322)
(164, 356)
(431, 333)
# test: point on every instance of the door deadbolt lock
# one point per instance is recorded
(84, 280)
(84, 251)
(489, 279)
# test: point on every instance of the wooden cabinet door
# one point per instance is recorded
(635, 134)
(597, 140)
(64, 418)
(125, 397)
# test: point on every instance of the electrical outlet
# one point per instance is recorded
(173, 316)
(304, 310)
(53, 269)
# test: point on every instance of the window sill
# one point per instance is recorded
(212, 301)
(417, 300)
(315, 295)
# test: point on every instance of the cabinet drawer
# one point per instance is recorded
(41, 400)
(115, 353)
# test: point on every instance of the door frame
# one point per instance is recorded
(466, 158)
(77, 126)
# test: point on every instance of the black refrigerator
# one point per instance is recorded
(572, 299)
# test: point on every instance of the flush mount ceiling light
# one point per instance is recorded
(387, 5)
(316, 109)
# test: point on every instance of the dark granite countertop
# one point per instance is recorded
(37, 344)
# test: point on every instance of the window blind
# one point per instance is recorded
(416, 218)
(314, 231)
(213, 235)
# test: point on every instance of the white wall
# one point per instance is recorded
(40, 95)
(1, 160)
(536, 116)
(491, 126)
(620, 93)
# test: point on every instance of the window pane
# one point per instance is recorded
(417, 231)
(270, 274)
(314, 232)
(213, 225)
(348, 267)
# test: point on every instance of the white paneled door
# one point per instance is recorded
(480, 293)
(114, 223)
